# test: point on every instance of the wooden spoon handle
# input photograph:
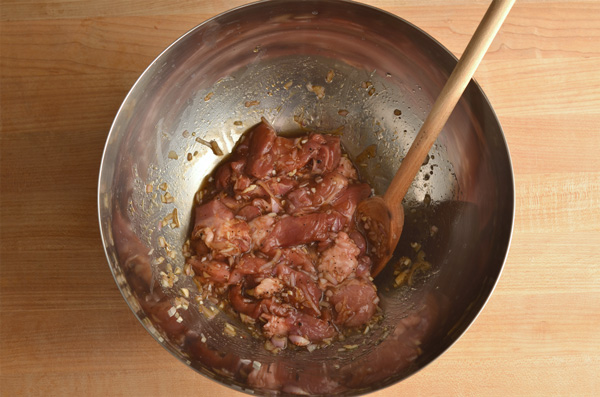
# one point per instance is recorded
(447, 100)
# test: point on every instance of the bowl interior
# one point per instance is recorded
(380, 76)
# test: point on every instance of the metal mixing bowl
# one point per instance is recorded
(380, 75)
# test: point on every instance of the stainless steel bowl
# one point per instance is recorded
(265, 60)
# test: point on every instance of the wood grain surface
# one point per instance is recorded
(66, 66)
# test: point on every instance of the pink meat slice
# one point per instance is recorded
(300, 201)
(268, 287)
(299, 259)
(229, 173)
(242, 304)
(223, 176)
(249, 212)
(306, 295)
(347, 202)
(314, 195)
(211, 270)
(296, 230)
(286, 154)
(241, 185)
(260, 228)
(220, 231)
(231, 238)
(340, 260)
(229, 202)
(280, 186)
(260, 155)
(330, 188)
(359, 240)
(363, 270)
(249, 265)
(294, 154)
(285, 321)
(212, 214)
(309, 327)
(328, 156)
(263, 205)
(354, 302)
(346, 168)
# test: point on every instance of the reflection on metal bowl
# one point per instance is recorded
(327, 66)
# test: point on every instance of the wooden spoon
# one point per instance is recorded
(382, 218)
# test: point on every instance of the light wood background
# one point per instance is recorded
(66, 65)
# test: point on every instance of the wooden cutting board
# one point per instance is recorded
(65, 329)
